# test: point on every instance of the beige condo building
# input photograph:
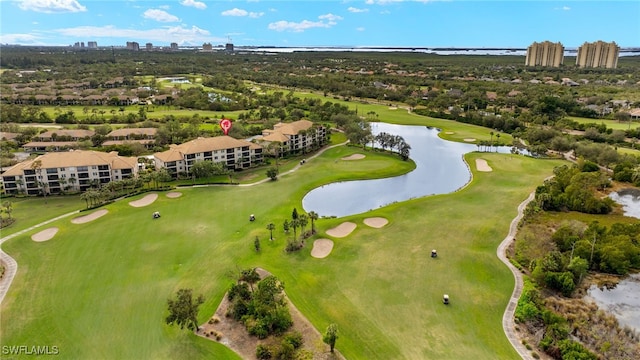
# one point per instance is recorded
(545, 54)
(598, 54)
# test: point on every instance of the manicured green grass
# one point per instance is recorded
(29, 211)
(611, 124)
(99, 290)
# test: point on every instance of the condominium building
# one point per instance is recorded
(78, 170)
(233, 153)
(545, 54)
(297, 136)
(132, 45)
(598, 54)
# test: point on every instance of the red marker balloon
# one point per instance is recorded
(225, 124)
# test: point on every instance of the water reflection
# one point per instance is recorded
(623, 301)
(630, 201)
(440, 169)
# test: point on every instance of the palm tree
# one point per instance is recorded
(294, 224)
(8, 207)
(497, 139)
(19, 182)
(72, 181)
(313, 216)
(491, 143)
(303, 220)
(271, 227)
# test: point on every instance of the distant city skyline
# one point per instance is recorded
(305, 23)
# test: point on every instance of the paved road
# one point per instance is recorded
(508, 319)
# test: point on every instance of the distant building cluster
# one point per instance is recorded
(546, 54)
(132, 45)
(90, 45)
(598, 54)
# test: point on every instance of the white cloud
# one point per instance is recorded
(241, 12)
(19, 39)
(52, 6)
(566, 8)
(356, 10)
(159, 15)
(330, 17)
(196, 4)
(360, 28)
(179, 34)
(305, 24)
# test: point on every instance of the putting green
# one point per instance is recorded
(100, 289)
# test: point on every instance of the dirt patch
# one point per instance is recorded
(174, 194)
(94, 215)
(44, 235)
(342, 230)
(354, 157)
(147, 200)
(376, 222)
(321, 248)
(482, 165)
(469, 139)
(234, 335)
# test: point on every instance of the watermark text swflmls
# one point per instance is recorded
(30, 350)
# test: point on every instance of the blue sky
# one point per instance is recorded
(403, 23)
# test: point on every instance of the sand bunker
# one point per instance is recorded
(44, 235)
(376, 222)
(353, 157)
(342, 230)
(481, 165)
(147, 200)
(321, 248)
(469, 139)
(90, 217)
(449, 133)
(393, 108)
(174, 194)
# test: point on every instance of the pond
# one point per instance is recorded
(623, 301)
(440, 169)
(630, 201)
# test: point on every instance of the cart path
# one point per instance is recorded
(508, 318)
(11, 266)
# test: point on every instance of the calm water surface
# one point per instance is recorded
(440, 169)
(623, 301)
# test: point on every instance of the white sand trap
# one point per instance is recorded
(342, 230)
(449, 133)
(354, 157)
(174, 194)
(482, 165)
(376, 222)
(321, 248)
(44, 235)
(147, 200)
(469, 139)
(393, 108)
(94, 215)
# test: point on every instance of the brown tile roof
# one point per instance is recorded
(121, 142)
(74, 159)
(50, 143)
(133, 131)
(8, 135)
(292, 128)
(200, 145)
(73, 133)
